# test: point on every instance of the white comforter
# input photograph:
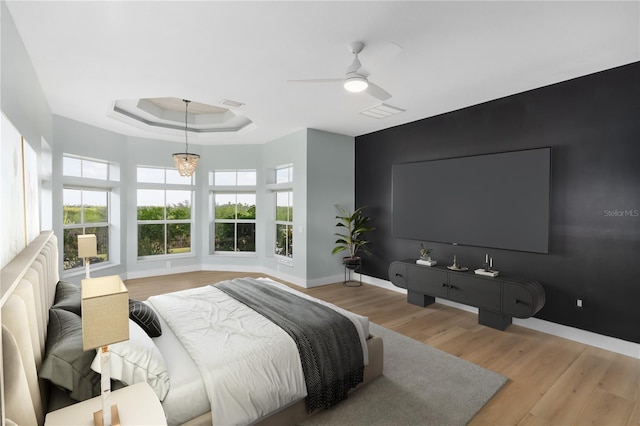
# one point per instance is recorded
(249, 365)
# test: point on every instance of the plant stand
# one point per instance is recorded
(348, 282)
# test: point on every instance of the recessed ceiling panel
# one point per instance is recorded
(169, 113)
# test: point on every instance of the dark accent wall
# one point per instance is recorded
(592, 124)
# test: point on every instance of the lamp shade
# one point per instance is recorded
(185, 162)
(105, 311)
(87, 245)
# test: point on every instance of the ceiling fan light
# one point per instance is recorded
(356, 84)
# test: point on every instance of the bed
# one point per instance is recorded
(29, 290)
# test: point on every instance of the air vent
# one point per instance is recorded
(382, 111)
(232, 104)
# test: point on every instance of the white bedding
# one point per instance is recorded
(187, 396)
(248, 366)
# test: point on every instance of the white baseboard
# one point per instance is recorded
(587, 337)
(324, 281)
(155, 272)
(284, 277)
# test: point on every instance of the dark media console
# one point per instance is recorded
(498, 299)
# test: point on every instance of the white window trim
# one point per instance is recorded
(166, 187)
(92, 184)
(288, 260)
(230, 190)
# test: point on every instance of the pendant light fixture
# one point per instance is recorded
(186, 162)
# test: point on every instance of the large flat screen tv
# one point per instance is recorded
(495, 200)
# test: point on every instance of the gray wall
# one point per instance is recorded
(591, 123)
(290, 149)
(21, 97)
(23, 101)
(330, 182)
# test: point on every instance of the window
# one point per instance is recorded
(85, 168)
(235, 222)
(234, 211)
(164, 212)
(284, 174)
(284, 213)
(232, 178)
(162, 176)
(284, 223)
(85, 208)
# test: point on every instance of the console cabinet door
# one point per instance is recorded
(427, 280)
(471, 290)
(517, 301)
(398, 274)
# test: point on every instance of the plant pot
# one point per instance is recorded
(351, 263)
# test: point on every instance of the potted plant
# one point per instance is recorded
(352, 236)
(425, 254)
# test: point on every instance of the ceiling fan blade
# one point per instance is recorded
(378, 92)
(319, 80)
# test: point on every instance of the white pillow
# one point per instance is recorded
(137, 360)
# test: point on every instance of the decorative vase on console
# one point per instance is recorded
(425, 257)
(425, 254)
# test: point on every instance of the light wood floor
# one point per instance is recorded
(553, 381)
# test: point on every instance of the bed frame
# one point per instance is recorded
(28, 285)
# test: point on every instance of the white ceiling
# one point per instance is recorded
(88, 54)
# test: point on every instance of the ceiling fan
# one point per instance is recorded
(355, 79)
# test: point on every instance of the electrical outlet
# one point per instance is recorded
(579, 303)
(168, 264)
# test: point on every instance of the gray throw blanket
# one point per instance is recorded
(328, 342)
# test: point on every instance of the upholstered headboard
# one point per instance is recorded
(28, 286)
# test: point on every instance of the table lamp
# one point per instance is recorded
(87, 247)
(105, 320)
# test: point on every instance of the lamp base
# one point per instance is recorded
(115, 417)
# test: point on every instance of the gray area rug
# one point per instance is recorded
(420, 385)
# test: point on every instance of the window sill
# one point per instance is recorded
(165, 257)
(284, 260)
(280, 186)
(252, 254)
(76, 272)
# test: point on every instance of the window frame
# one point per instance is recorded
(287, 257)
(165, 188)
(84, 183)
(237, 189)
(236, 221)
(283, 177)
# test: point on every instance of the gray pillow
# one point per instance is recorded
(66, 364)
(68, 297)
(145, 317)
